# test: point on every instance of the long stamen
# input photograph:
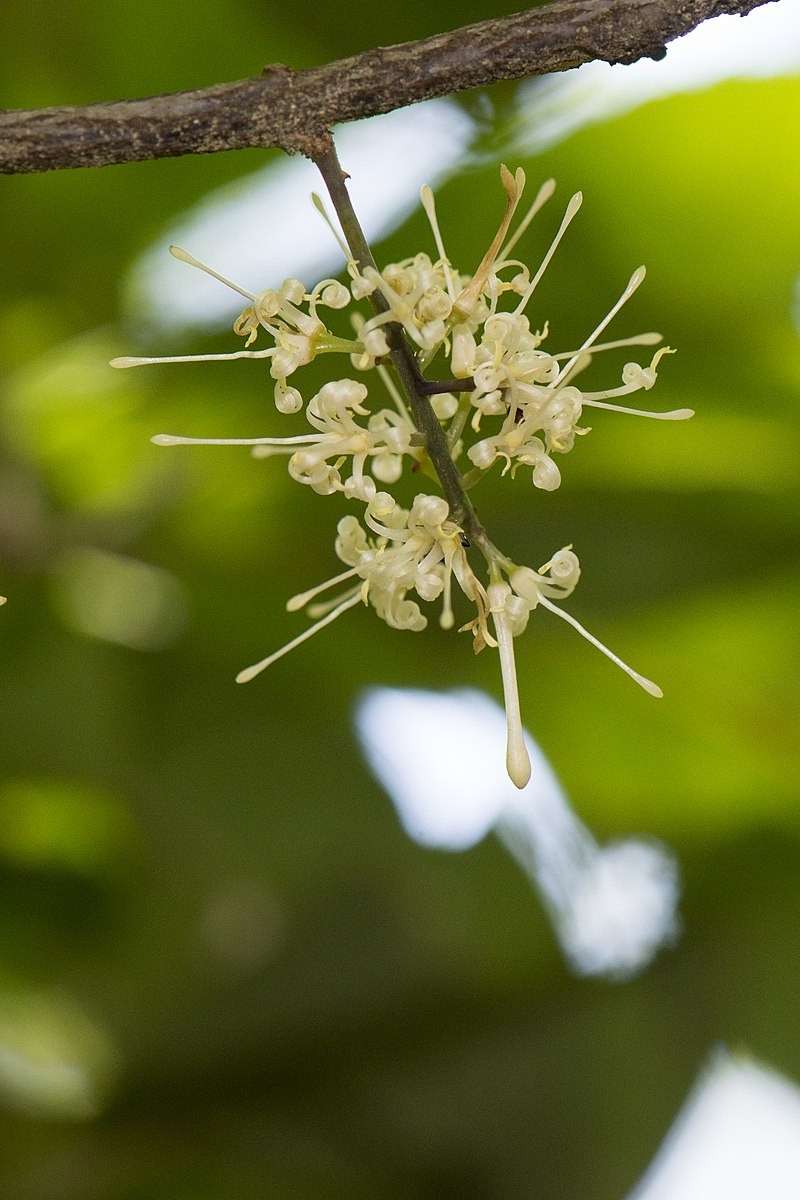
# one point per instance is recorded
(320, 207)
(429, 204)
(542, 196)
(302, 598)
(512, 185)
(633, 283)
(184, 256)
(325, 606)
(121, 363)
(518, 764)
(675, 414)
(572, 208)
(446, 619)
(639, 339)
(397, 399)
(303, 439)
(250, 672)
(647, 684)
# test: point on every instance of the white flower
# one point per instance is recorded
(415, 550)
(511, 602)
(510, 398)
(298, 336)
(337, 436)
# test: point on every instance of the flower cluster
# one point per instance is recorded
(508, 399)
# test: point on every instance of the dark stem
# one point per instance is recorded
(436, 387)
(294, 110)
(416, 387)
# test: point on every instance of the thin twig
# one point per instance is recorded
(294, 110)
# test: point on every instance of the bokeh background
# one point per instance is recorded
(225, 969)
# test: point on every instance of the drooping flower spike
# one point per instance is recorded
(508, 398)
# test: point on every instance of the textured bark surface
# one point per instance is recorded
(292, 110)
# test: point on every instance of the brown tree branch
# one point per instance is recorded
(293, 110)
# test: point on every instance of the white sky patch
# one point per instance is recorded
(441, 758)
(263, 229)
(763, 44)
(737, 1138)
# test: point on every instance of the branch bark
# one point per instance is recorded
(293, 110)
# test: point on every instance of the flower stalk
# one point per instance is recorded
(416, 388)
(503, 398)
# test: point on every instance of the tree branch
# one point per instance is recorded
(293, 110)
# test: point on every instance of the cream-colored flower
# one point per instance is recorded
(317, 458)
(512, 599)
(298, 336)
(509, 397)
(416, 550)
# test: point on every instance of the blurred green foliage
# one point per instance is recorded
(224, 969)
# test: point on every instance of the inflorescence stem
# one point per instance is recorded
(417, 389)
(418, 310)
